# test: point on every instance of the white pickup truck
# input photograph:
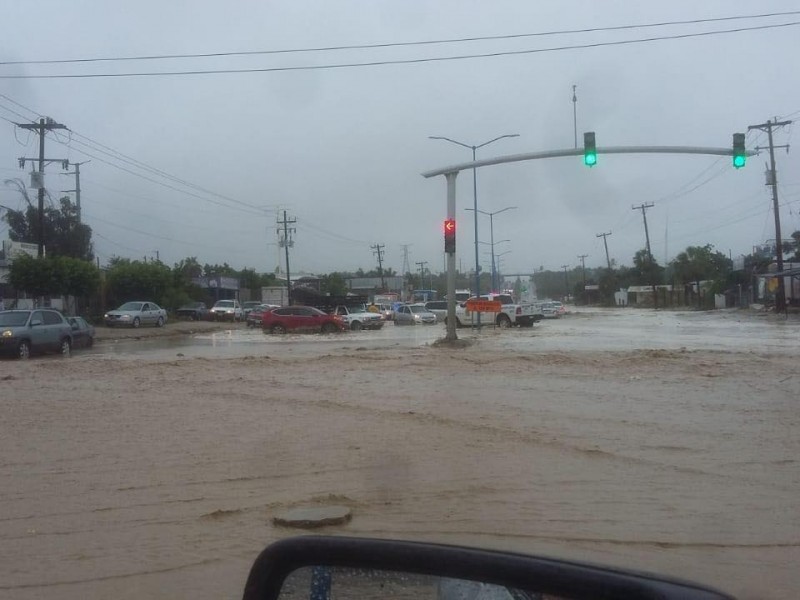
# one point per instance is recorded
(358, 319)
(511, 314)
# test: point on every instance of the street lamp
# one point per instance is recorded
(498, 257)
(491, 229)
(475, 199)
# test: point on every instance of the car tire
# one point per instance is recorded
(160, 322)
(355, 326)
(24, 350)
(66, 348)
(329, 328)
(503, 322)
(136, 322)
(278, 329)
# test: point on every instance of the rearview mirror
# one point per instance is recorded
(321, 568)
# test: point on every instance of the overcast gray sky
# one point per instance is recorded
(342, 149)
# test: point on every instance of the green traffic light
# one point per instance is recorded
(739, 153)
(589, 149)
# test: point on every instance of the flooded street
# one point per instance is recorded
(151, 468)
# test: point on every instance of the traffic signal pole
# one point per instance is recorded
(451, 172)
(451, 262)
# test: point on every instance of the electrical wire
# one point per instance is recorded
(431, 59)
(399, 44)
(15, 103)
(148, 234)
(166, 185)
(125, 159)
(117, 155)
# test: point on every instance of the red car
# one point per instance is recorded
(300, 318)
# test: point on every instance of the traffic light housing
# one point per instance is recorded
(450, 236)
(589, 149)
(739, 155)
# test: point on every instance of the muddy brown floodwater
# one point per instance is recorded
(158, 476)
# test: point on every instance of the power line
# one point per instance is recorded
(161, 183)
(396, 44)
(410, 61)
(124, 158)
(116, 154)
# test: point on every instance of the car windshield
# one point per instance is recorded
(131, 306)
(13, 318)
(620, 180)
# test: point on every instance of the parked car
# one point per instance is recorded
(411, 314)
(549, 310)
(82, 332)
(439, 308)
(24, 332)
(387, 311)
(227, 310)
(135, 314)
(358, 318)
(195, 311)
(250, 305)
(301, 318)
(253, 318)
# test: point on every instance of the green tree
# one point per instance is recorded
(187, 269)
(64, 234)
(646, 271)
(54, 276)
(701, 263)
(135, 280)
(224, 270)
(35, 276)
(333, 284)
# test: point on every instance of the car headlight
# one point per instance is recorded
(8, 333)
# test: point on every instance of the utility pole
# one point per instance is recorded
(566, 282)
(421, 266)
(77, 189)
(43, 126)
(643, 208)
(605, 243)
(582, 258)
(286, 241)
(406, 270)
(378, 251)
(575, 114)
(772, 180)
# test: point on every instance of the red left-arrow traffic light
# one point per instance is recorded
(450, 236)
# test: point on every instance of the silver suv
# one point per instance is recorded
(23, 332)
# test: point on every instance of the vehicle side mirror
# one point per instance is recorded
(340, 567)
(75, 326)
(35, 322)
